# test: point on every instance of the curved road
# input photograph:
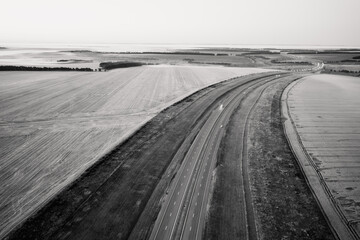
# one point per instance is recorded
(185, 206)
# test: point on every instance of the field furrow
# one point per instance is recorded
(54, 125)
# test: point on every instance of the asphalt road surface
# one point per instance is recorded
(185, 206)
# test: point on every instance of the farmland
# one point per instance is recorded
(54, 125)
(325, 113)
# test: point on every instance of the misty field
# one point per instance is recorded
(54, 125)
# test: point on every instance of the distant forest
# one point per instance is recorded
(114, 65)
(27, 68)
(159, 53)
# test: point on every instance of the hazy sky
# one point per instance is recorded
(292, 22)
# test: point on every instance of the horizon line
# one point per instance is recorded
(177, 44)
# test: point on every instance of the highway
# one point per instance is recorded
(186, 203)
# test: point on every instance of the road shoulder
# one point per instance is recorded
(283, 204)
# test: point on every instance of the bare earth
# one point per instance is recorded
(325, 110)
(54, 125)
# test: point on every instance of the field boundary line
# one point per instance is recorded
(333, 215)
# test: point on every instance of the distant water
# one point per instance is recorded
(53, 47)
(47, 54)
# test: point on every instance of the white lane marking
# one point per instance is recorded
(178, 193)
(165, 228)
(174, 202)
(170, 214)
(190, 228)
(193, 214)
(198, 194)
(200, 185)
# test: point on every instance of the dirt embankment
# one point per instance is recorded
(284, 206)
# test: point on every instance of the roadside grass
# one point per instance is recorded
(284, 205)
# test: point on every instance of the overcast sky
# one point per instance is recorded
(275, 22)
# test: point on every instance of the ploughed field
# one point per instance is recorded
(54, 125)
(325, 111)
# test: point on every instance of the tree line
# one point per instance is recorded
(113, 65)
(29, 68)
